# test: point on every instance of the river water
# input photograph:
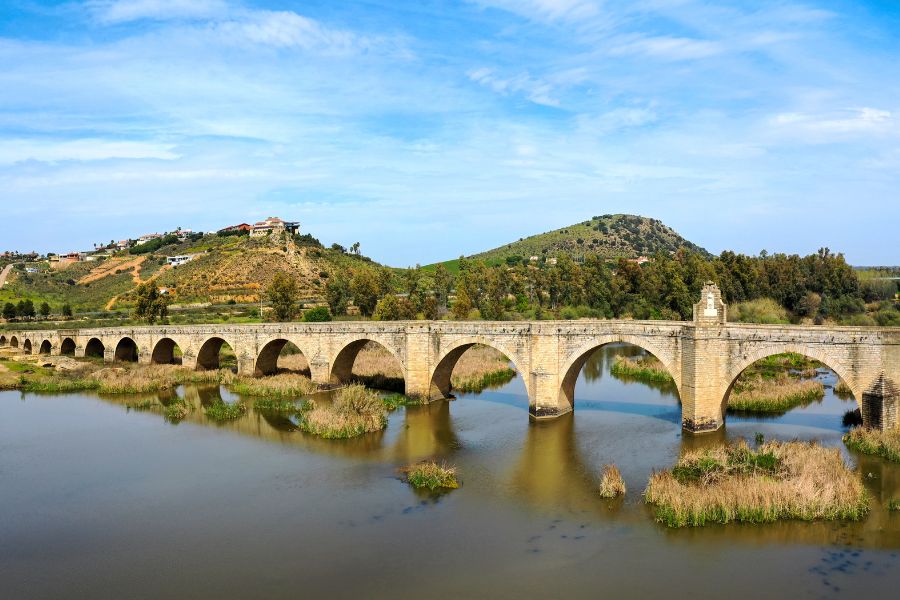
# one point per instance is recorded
(100, 501)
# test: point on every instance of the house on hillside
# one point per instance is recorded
(639, 260)
(237, 229)
(147, 238)
(123, 244)
(177, 261)
(274, 225)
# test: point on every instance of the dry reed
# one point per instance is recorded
(790, 480)
(885, 444)
(355, 411)
(611, 484)
(429, 474)
(782, 393)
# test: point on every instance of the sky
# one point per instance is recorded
(429, 129)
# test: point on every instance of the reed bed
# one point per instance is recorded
(431, 475)
(779, 394)
(222, 411)
(177, 410)
(644, 368)
(842, 390)
(780, 480)
(885, 444)
(284, 386)
(611, 483)
(354, 411)
(894, 505)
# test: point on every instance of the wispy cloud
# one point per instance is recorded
(166, 112)
(124, 11)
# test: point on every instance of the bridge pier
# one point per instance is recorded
(881, 404)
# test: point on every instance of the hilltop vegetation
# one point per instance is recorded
(606, 236)
(224, 270)
(228, 276)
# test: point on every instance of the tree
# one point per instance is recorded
(66, 310)
(150, 305)
(337, 294)
(392, 308)
(463, 304)
(319, 314)
(354, 248)
(45, 309)
(25, 309)
(282, 293)
(9, 311)
(443, 284)
(365, 289)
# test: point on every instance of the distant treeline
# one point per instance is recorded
(767, 288)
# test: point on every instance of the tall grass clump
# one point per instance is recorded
(842, 390)
(885, 444)
(894, 505)
(279, 387)
(779, 480)
(780, 394)
(394, 401)
(354, 411)
(611, 483)
(222, 411)
(176, 410)
(430, 475)
(644, 368)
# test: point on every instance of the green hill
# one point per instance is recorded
(608, 236)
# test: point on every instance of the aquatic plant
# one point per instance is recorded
(644, 368)
(430, 475)
(284, 386)
(780, 480)
(894, 505)
(885, 444)
(394, 401)
(222, 411)
(354, 411)
(778, 394)
(176, 410)
(611, 483)
(842, 390)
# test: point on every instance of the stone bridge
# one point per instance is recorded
(704, 356)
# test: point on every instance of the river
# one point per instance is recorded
(100, 501)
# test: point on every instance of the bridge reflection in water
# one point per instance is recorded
(553, 467)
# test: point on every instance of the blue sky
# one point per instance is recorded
(429, 129)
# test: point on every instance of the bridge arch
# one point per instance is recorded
(67, 347)
(26, 346)
(126, 350)
(342, 363)
(94, 348)
(208, 357)
(576, 361)
(164, 352)
(3, 341)
(13, 342)
(267, 360)
(46, 347)
(813, 352)
(439, 378)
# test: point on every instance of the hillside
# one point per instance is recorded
(223, 269)
(608, 236)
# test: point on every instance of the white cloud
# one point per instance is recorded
(14, 151)
(536, 90)
(123, 11)
(825, 126)
(668, 48)
(552, 10)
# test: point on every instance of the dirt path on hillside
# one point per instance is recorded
(111, 266)
(4, 274)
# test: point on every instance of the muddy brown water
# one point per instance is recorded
(99, 501)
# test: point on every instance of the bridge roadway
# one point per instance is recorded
(704, 356)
